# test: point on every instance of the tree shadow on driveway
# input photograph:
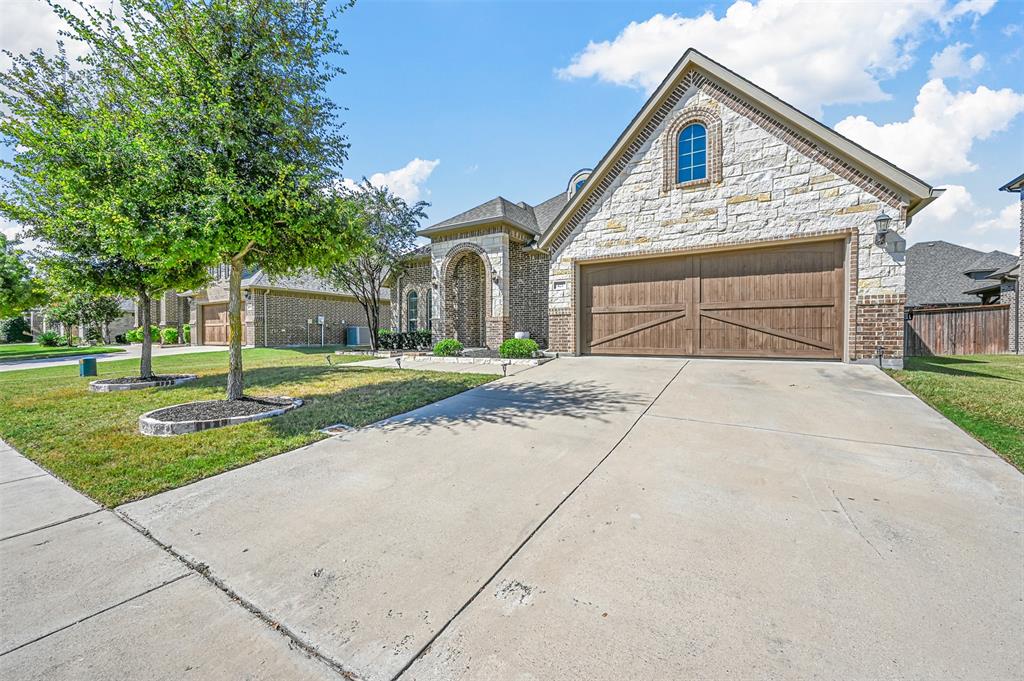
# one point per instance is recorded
(521, 405)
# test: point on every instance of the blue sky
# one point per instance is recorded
(457, 102)
(482, 88)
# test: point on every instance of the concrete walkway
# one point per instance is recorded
(131, 352)
(587, 519)
(83, 595)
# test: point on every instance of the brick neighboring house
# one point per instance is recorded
(1013, 293)
(276, 310)
(722, 222)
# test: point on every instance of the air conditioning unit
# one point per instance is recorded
(357, 335)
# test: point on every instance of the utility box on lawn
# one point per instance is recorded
(87, 366)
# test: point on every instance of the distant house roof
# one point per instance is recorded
(531, 219)
(937, 273)
(1014, 185)
(304, 282)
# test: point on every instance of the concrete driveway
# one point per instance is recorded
(617, 518)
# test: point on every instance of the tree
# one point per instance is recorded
(95, 177)
(390, 225)
(244, 82)
(19, 289)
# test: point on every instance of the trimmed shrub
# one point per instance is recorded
(49, 339)
(410, 340)
(518, 348)
(449, 347)
(186, 331)
(135, 335)
(169, 336)
(15, 330)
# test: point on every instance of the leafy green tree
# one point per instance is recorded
(240, 86)
(390, 225)
(94, 175)
(19, 289)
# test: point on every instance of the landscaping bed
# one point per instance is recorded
(983, 394)
(108, 385)
(192, 417)
(92, 440)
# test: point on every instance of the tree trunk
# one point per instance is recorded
(235, 383)
(146, 361)
(371, 321)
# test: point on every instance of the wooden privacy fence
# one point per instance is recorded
(973, 330)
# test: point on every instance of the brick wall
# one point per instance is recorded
(288, 314)
(528, 294)
(416, 277)
(879, 323)
(467, 303)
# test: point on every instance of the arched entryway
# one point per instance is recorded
(465, 298)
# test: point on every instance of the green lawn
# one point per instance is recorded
(17, 352)
(91, 440)
(983, 394)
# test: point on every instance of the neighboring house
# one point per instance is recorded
(38, 323)
(285, 310)
(1015, 297)
(721, 222)
(941, 274)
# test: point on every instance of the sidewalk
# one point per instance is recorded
(131, 352)
(84, 595)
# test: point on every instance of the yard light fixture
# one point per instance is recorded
(881, 228)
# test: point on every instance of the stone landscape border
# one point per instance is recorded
(99, 386)
(427, 357)
(155, 427)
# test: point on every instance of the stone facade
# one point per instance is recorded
(774, 187)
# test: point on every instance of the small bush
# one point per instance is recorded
(186, 332)
(121, 338)
(94, 335)
(449, 347)
(135, 335)
(409, 340)
(15, 330)
(518, 348)
(49, 339)
(169, 336)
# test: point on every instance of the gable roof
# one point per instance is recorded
(991, 262)
(936, 273)
(917, 192)
(1014, 185)
(531, 219)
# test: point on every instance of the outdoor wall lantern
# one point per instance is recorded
(881, 228)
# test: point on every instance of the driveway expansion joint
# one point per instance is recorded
(53, 524)
(27, 477)
(522, 545)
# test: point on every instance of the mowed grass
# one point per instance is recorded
(17, 352)
(91, 440)
(983, 394)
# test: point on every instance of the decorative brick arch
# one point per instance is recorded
(449, 313)
(712, 123)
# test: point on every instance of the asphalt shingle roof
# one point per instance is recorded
(936, 272)
(305, 281)
(532, 219)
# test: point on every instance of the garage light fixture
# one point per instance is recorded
(881, 228)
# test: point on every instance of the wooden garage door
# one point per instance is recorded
(215, 323)
(784, 301)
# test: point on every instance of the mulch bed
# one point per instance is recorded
(220, 409)
(126, 380)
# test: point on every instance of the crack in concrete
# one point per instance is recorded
(535, 530)
(55, 524)
(849, 518)
(203, 570)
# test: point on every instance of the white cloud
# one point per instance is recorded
(808, 54)
(939, 136)
(950, 63)
(30, 25)
(956, 217)
(406, 182)
(1011, 30)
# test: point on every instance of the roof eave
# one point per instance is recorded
(432, 231)
(1015, 185)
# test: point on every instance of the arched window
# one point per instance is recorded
(411, 312)
(580, 183)
(430, 312)
(693, 154)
